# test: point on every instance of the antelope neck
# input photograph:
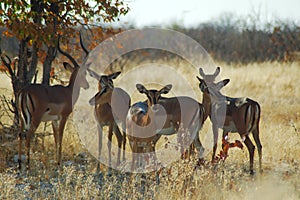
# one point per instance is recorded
(75, 90)
(206, 102)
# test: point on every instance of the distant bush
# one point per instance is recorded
(230, 38)
(237, 40)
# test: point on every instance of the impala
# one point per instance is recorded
(169, 116)
(111, 107)
(38, 102)
(184, 115)
(141, 127)
(240, 115)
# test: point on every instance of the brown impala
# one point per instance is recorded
(38, 102)
(141, 127)
(240, 115)
(180, 113)
(111, 107)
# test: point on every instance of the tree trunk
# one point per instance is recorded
(22, 66)
(22, 74)
(51, 53)
(32, 62)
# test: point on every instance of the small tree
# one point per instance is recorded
(39, 22)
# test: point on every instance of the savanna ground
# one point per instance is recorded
(274, 85)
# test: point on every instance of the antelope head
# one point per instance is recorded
(208, 86)
(209, 78)
(76, 75)
(213, 89)
(105, 86)
(153, 95)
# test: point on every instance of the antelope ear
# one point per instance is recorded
(226, 81)
(141, 88)
(165, 89)
(201, 72)
(201, 80)
(68, 67)
(93, 74)
(88, 65)
(217, 72)
(222, 83)
(202, 85)
(114, 75)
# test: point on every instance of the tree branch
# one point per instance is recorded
(7, 63)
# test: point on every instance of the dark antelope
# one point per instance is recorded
(38, 102)
(111, 107)
(141, 127)
(181, 114)
(240, 115)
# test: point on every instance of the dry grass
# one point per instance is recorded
(274, 85)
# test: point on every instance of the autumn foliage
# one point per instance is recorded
(37, 25)
(41, 21)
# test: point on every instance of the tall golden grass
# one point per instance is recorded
(274, 85)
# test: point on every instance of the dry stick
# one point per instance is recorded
(6, 105)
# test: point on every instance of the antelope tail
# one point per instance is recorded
(197, 120)
(26, 107)
(252, 116)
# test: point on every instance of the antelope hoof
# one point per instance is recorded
(200, 162)
(109, 172)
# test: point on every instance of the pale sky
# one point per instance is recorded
(193, 12)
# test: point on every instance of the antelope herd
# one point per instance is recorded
(142, 123)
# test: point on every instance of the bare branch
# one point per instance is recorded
(66, 54)
(6, 104)
(82, 45)
(7, 63)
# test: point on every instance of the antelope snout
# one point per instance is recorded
(86, 86)
(155, 108)
(92, 101)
